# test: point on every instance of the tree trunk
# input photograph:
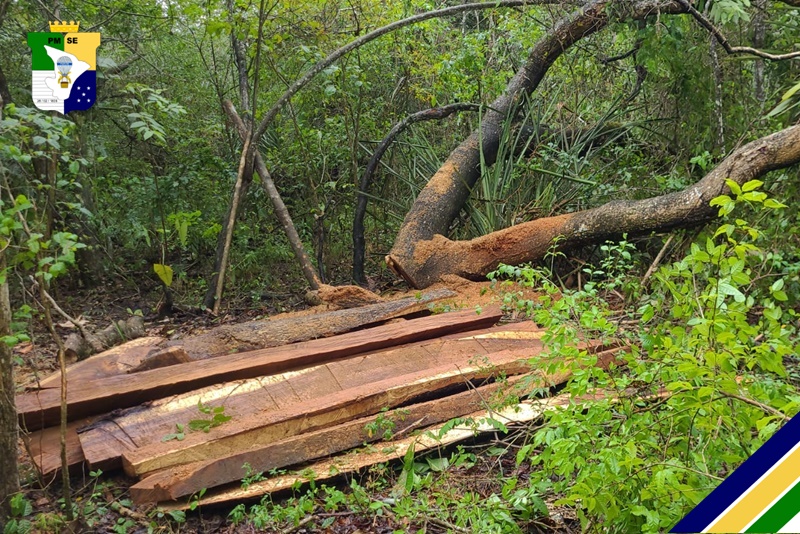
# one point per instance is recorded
(243, 181)
(277, 203)
(759, 38)
(440, 201)
(717, 115)
(9, 480)
(531, 241)
(359, 244)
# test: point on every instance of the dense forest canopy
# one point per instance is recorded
(242, 150)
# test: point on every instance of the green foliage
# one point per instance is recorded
(703, 385)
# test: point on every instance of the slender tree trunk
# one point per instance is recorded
(215, 288)
(277, 204)
(9, 473)
(9, 429)
(717, 117)
(759, 38)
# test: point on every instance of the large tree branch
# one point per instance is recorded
(531, 241)
(375, 34)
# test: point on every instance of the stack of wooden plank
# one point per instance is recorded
(280, 406)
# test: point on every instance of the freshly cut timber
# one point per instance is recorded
(40, 409)
(104, 442)
(153, 352)
(432, 438)
(260, 429)
(191, 478)
(114, 361)
(44, 448)
(170, 484)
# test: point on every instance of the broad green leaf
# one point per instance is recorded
(752, 185)
(164, 272)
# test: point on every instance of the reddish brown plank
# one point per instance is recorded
(40, 409)
(104, 442)
(114, 361)
(191, 478)
(260, 429)
(44, 448)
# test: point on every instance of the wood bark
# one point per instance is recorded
(530, 241)
(440, 201)
(40, 409)
(9, 480)
(366, 179)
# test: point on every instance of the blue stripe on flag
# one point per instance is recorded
(742, 478)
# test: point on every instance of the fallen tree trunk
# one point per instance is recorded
(530, 241)
(443, 197)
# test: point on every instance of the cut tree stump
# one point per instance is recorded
(40, 409)
(191, 478)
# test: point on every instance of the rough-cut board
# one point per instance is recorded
(433, 437)
(105, 441)
(115, 361)
(255, 335)
(326, 469)
(191, 478)
(153, 352)
(40, 409)
(44, 448)
(260, 429)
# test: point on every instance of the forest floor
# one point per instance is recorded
(478, 469)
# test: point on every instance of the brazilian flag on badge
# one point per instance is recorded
(63, 68)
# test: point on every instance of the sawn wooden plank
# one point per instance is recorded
(261, 429)
(104, 442)
(40, 409)
(185, 480)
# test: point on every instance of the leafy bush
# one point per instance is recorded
(703, 385)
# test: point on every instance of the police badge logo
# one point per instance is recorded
(63, 68)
